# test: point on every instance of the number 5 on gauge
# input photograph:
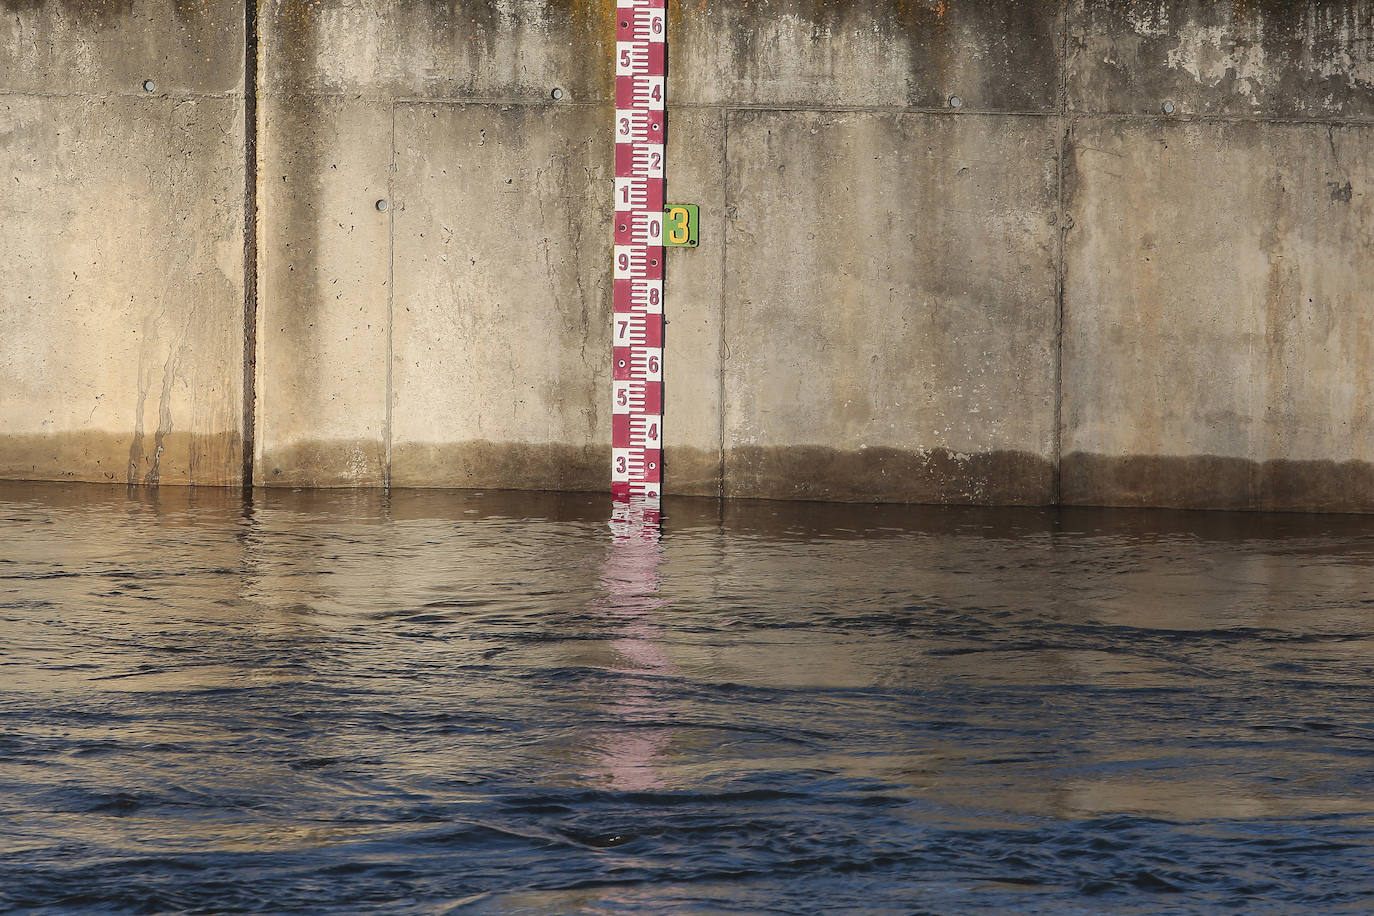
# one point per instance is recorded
(680, 226)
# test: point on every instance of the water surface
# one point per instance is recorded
(448, 702)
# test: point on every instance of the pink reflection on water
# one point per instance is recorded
(631, 579)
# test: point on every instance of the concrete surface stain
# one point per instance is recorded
(505, 465)
(1248, 58)
(102, 14)
(1258, 56)
(95, 456)
(1216, 482)
(322, 463)
(934, 476)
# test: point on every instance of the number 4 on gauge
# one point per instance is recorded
(680, 226)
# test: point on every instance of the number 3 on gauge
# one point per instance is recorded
(680, 226)
(620, 464)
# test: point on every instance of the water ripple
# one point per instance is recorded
(484, 703)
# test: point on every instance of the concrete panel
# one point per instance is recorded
(112, 46)
(693, 290)
(1218, 345)
(993, 55)
(324, 267)
(463, 49)
(121, 299)
(891, 307)
(1310, 59)
(503, 296)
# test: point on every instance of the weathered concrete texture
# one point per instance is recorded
(100, 47)
(694, 283)
(1272, 58)
(993, 55)
(873, 312)
(325, 264)
(94, 456)
(503, 297)
(121, 320)
(483, 464)
(890, 285)
(1218, 347)
(456, 49)
(881, 474)
(1214, 482)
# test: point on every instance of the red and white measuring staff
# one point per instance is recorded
(637, 355)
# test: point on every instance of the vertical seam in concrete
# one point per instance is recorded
(1062, 243)
(390, 296)
(722, 345)
(250, 239)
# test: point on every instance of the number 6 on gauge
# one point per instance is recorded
(652, 363)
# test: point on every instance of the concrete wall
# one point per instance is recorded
(1218, 330)
(454, 339)
(1059, 288)
(121, 227)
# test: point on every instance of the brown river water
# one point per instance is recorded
(486, 702)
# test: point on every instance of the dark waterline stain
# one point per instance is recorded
(1217, 482)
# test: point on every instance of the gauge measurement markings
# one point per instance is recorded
(639, 295)
(641, 228)
(643, 93)
(637, 396)
(635, 125)
(642, 431)
(641, 21)
(637, 363)
(637, 284)
(643, 262)
(636, 466)
(642, 159)
(638, 193)
(637, 329)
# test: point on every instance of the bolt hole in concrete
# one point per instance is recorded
(149, 86)
(556, 94)
(1167, 107)
(956, 102)
(382, 205)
